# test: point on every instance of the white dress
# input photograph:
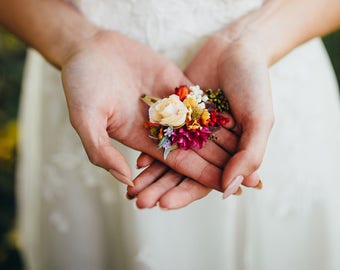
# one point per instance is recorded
(73, 215)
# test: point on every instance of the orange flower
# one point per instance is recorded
(148, 124)
(182, 92)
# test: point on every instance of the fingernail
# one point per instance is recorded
(233, 186)
(121, 178)
(162, 208)
(129, 197)
(138, 166)
(259, 185)
(238, 191)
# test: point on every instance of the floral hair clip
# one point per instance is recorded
(187, 118)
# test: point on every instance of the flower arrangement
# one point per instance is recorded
(187, 118)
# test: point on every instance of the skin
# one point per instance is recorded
(237, 59)
(102, 72)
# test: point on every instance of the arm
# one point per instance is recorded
(103, 75)
(52, 27)
(281, 25)
(237, 59)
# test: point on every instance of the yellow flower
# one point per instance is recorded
(205, 117)
(190, 102)
(193, 125)
(168, 112)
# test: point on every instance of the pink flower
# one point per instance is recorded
(186, 139)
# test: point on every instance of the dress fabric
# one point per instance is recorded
(73, 215)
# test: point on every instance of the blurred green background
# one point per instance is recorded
(12, 56)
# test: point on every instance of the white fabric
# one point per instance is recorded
(72, 215)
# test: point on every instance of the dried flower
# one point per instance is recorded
(182, 92)
(217, 120)
(218, 99)
(186, 139)
(185, 119)
(205, 117)
(168, 112)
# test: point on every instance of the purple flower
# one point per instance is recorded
(186, 139)
(167, 144)
(168, 131)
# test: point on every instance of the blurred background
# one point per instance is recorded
(12, 57)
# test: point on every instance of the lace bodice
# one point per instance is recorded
(186, 23)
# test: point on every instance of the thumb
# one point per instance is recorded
(246, 160)
(100, 150)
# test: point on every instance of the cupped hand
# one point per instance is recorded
(103, 81)
(239, 67)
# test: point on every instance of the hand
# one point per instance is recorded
(241, 71)
(238, 67)
(159, 185)
(103, 81)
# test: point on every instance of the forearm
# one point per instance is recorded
(281, 25)
(52, 27)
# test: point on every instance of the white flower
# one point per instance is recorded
(196, 90)
(198, 94)
(168, 112)
(201, 105)
(205, 98)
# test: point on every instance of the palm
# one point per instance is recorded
(240, 71)
(122, 70)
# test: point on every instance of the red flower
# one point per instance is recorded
(182, 92)
(217, 120)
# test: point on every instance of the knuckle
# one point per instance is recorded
(255, 163)
(94, 157)
(177, 161)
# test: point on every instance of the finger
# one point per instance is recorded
(252, 180)
(185, 193)
(230, 122)
(149, 197)
(146, 178)
(100, 150)
(188, 163)
(236, 129)
(144, 160)
(247, 159)
(214, 154)
(227, 140)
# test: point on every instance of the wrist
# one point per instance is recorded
(69, 39)
(54, 28)
(279, 26)
(72, 43)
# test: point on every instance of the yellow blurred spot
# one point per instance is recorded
(13, 237)
(8, 140)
